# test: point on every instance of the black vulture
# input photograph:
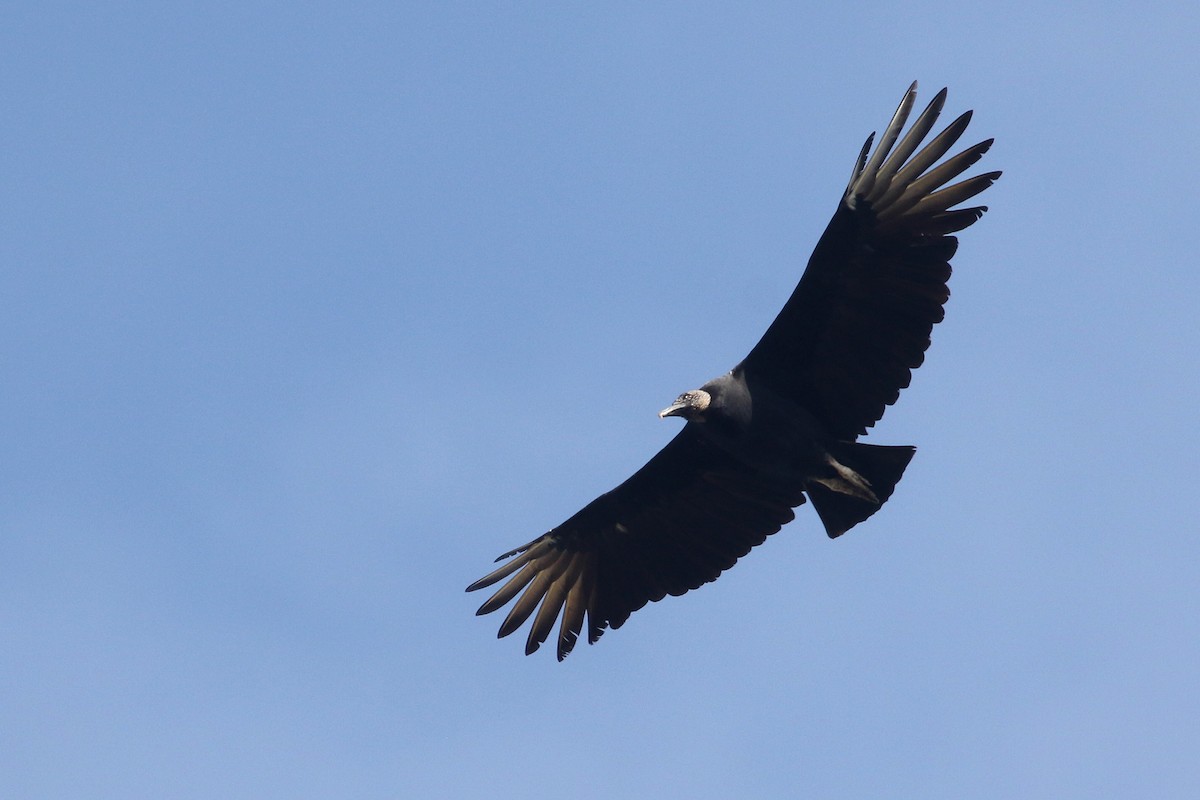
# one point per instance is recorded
(782, 425)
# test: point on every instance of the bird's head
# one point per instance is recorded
(689, 405)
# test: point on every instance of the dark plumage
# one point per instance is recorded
(781, 425)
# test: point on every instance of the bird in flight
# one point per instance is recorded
(782, 426)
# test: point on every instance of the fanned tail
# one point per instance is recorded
(861, 479)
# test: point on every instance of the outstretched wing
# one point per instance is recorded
(677, 523)
(858, 322)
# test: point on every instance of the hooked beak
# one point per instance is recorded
(673, 410)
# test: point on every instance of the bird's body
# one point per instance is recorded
(782, 426)
(759, 428)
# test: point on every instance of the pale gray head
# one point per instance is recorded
(689, 405)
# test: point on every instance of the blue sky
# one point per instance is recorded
(308, 311)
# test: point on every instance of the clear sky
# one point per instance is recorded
(309, 310)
